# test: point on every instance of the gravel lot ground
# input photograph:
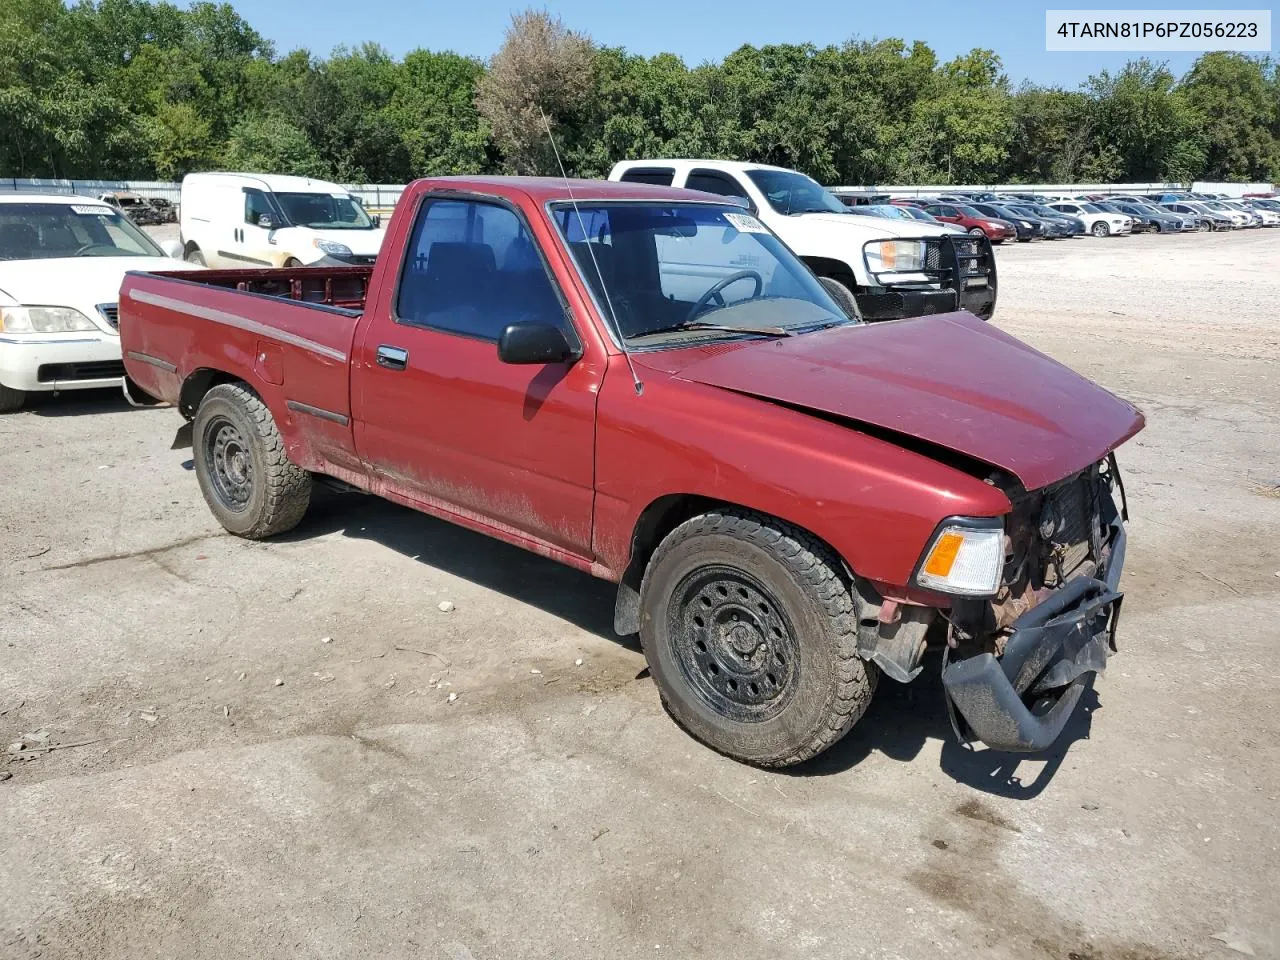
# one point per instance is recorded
(262, 759)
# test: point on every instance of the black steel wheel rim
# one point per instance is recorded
(735, 645)
(229, 463)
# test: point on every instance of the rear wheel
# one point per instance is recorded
(10, 399)
(1100, 229)
(751, 636)
(246, 478)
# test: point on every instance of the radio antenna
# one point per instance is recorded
(604, 287)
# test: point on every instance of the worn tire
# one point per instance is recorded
(279, 491)
(842, 295)
(11, 400)
(829, 686)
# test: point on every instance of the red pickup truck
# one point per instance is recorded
(646, 384)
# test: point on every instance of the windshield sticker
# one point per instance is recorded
(745, 223)
(93, 211)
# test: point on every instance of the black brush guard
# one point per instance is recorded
(962, 276)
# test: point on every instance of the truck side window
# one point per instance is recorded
(472, 269)
(659, 176)
(713, 181)
(256, 205)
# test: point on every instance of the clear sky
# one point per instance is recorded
(699, 31)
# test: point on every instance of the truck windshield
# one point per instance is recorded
(324, 211)
(672, 271)
(789, 192)
(44, 231)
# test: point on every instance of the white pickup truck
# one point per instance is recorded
(891, 269)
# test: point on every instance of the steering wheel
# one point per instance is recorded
(91, 246)
(714, 292)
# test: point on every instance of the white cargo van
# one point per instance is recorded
(263, 220)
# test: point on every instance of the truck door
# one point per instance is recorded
(439, 417)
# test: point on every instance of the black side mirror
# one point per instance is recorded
(529, 342)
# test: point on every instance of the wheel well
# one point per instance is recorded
(197, 385)
(189, 246)
(827, 267)
(656, 521)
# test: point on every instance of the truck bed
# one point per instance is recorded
(345, 287)
(290, 332)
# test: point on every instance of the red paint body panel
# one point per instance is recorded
(563, 459)
(950, 379)
(874, 502)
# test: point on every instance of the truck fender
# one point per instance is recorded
(834, 269)
(656, 521)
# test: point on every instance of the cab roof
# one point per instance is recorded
(728, 166)
(551, 189)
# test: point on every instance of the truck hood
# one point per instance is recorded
(875, 225)
(79, 282)
(950, 380)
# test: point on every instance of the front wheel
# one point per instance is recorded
(843, 295)
(977, 232)
(1100, 229)
(750, 632)
(246, 478)
(195, 256)
(11, 400)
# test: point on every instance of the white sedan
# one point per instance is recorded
(62, 260)
(1097, 221)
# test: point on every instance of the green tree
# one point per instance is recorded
(433, 110)
(273, 144)
(1138, 113)
(961, 133)
(1234, 102)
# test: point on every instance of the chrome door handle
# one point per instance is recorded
(393, 358)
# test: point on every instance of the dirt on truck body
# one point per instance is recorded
(646, 384)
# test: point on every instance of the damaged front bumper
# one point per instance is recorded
(1022, 700)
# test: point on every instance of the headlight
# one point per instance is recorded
(333, 249)
(964, 559)
(43, 320)
(895, 256)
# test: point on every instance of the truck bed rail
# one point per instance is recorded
(345, 287)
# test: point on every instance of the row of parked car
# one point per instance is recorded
(1029, 216)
